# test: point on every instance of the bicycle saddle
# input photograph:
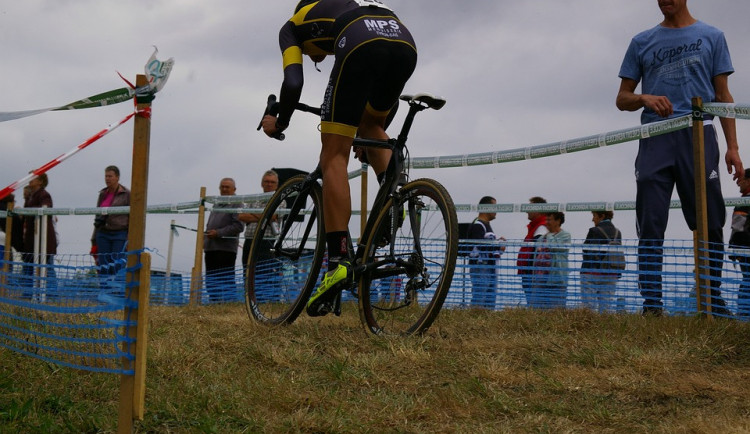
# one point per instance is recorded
(433, 102)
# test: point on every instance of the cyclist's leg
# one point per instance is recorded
(343, 114)
(392, 64)
(334, 159)
(372, 127)
(337, 209)
(353, 89)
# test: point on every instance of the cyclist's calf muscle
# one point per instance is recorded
(334, 159)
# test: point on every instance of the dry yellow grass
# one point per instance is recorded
(212, 370)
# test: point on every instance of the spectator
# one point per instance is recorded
(222, 231)
(740, 239)
(269, 183)
(597, 282)
(535, 230)
(483, 258)
(38, 198)
(698, 65)
(27, 257)
(111, 230)
(4, 207)
(552, 274)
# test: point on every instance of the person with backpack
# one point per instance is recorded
(483, 257)
(600, 269)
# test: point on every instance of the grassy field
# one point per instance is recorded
(211, 370)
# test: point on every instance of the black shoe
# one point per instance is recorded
(656, 311)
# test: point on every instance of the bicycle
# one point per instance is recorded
(404, 261)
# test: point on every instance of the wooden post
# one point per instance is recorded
(363, 217)
(141, 343)
(195, 277)
(136, 242)
(700, 237)
(43, 220)
(168, 271)
(8, 250)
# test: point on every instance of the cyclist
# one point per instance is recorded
(374, 56)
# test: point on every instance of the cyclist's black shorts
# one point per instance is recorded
(375, 56)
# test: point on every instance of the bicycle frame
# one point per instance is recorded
(391, 245)
(393, 178)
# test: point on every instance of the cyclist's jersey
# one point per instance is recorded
(317, 28)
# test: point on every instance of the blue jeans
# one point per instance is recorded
(598, 291)
(111, 247)
(220, 279)
(743, 298)
(483, 285)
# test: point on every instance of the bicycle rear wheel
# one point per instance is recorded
(286, 255)
(405, 287)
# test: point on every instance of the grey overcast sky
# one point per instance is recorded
(514, 73)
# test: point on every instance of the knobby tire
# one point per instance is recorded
(405, 293)
(278, 283)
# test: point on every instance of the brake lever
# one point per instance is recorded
(272, 109)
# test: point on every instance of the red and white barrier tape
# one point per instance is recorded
(43, 169)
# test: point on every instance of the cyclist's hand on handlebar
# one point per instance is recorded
(269, 125)
(358, 152)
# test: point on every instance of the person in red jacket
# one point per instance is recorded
(535, 230)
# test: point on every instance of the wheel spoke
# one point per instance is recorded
(279, 279)
(422, 255)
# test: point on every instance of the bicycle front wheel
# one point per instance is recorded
(410, 269)
(287, 253)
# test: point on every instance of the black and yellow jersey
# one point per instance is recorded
(312, 31)
(309, 30)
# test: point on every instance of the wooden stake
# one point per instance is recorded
(141, 343)
(700, 237)
(195, 277)
(139, 290)
(8, 250)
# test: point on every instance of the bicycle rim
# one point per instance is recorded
(404, 293)
(279, 281)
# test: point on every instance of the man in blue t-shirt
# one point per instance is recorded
(677, 60)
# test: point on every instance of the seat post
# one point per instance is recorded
(413, 109)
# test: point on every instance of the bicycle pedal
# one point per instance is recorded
(321, 309)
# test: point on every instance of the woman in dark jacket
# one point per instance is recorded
(111, 230)
(43, 254)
